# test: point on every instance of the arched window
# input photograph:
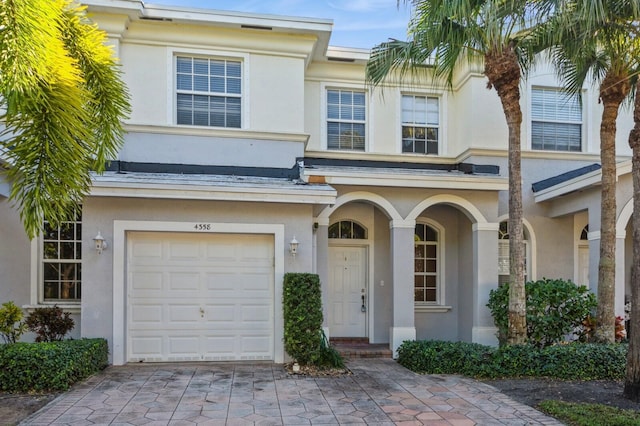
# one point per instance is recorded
(348, 230)
(427, 265)
(503, 254)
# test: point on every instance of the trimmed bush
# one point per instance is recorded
(50, 366)
(11, 325)
(555, 308)
(574, 361)
(302, 308)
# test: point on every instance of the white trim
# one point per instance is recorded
(102, 187)
(219, 132)
(408, 224)
(442, 117)
(485, 226)
(440, 268)
(173, 51)
(405, 178)
(368, 128)
(593, 178)
(624, 217)
(533, 249)
(467, 207)
(376, 199)
(432, 309)
(120, 229)
(595, 235)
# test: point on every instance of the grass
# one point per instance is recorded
(580, 414)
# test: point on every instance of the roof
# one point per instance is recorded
(210, 187)
(564, 177)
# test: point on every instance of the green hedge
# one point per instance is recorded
(574, 361)
(50, 366)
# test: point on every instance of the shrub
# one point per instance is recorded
(11, 325)
(50, 366)
(50, 324)
(302, 309)
(573, 361)
(555, 308)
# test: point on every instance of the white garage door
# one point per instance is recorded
(195, 296)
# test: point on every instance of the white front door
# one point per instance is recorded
(348, 296)
(583, 266)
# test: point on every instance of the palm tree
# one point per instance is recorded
(593, 41)
(443, 33)
(62, 103)
(632, 377)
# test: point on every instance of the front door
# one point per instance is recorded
(348, 298)
(583, 265)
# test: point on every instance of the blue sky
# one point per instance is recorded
(356, 23)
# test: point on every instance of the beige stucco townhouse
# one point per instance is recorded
(248, 132)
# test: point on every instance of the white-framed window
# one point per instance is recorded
(208, 91)
(503, 254)
(347, 229)
(556, 120)
(420, 124)
(346, 119)
(427, 265)
(61, 262)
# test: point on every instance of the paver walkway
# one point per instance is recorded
(380, 392)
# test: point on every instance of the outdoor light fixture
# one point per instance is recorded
(293, 246)
(100, 243)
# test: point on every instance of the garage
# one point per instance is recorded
(199, 296)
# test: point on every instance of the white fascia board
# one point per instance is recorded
(408, 180)
(593, 178)
(348, 53)
(217, 193)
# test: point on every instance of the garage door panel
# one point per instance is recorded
(200, 296)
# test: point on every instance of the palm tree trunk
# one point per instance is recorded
(613, 90)
(632, 378)
(503, 71)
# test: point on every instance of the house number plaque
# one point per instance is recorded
(202, 227)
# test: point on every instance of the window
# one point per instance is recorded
(584, 235)
(209, 92)
(420, 124)
(61, 262)
(346, 120)
(556, 121)
(427, 268)
(347, 229)
(503, 254)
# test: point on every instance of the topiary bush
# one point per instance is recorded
(50, 366)
(50, 324)
(11, 325)
(573, 361)
(555, 308)
(302, 308)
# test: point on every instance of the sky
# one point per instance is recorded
(356, 23)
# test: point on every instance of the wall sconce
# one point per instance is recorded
(100, 243)
(293, 246)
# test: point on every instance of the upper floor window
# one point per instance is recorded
(209, 92)
(556, 120)
(426, 265)
(347, 229)
(346, 119)
(62, 262)
(420, 124)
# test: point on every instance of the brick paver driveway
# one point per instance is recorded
(379, 392)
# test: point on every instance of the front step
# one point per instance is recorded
(359, 347)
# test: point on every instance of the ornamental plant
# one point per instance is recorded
(555, 309)
(11, 325)
(50, 324)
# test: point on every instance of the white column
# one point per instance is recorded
(402, 260)
(322, 267)
(485, 278)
